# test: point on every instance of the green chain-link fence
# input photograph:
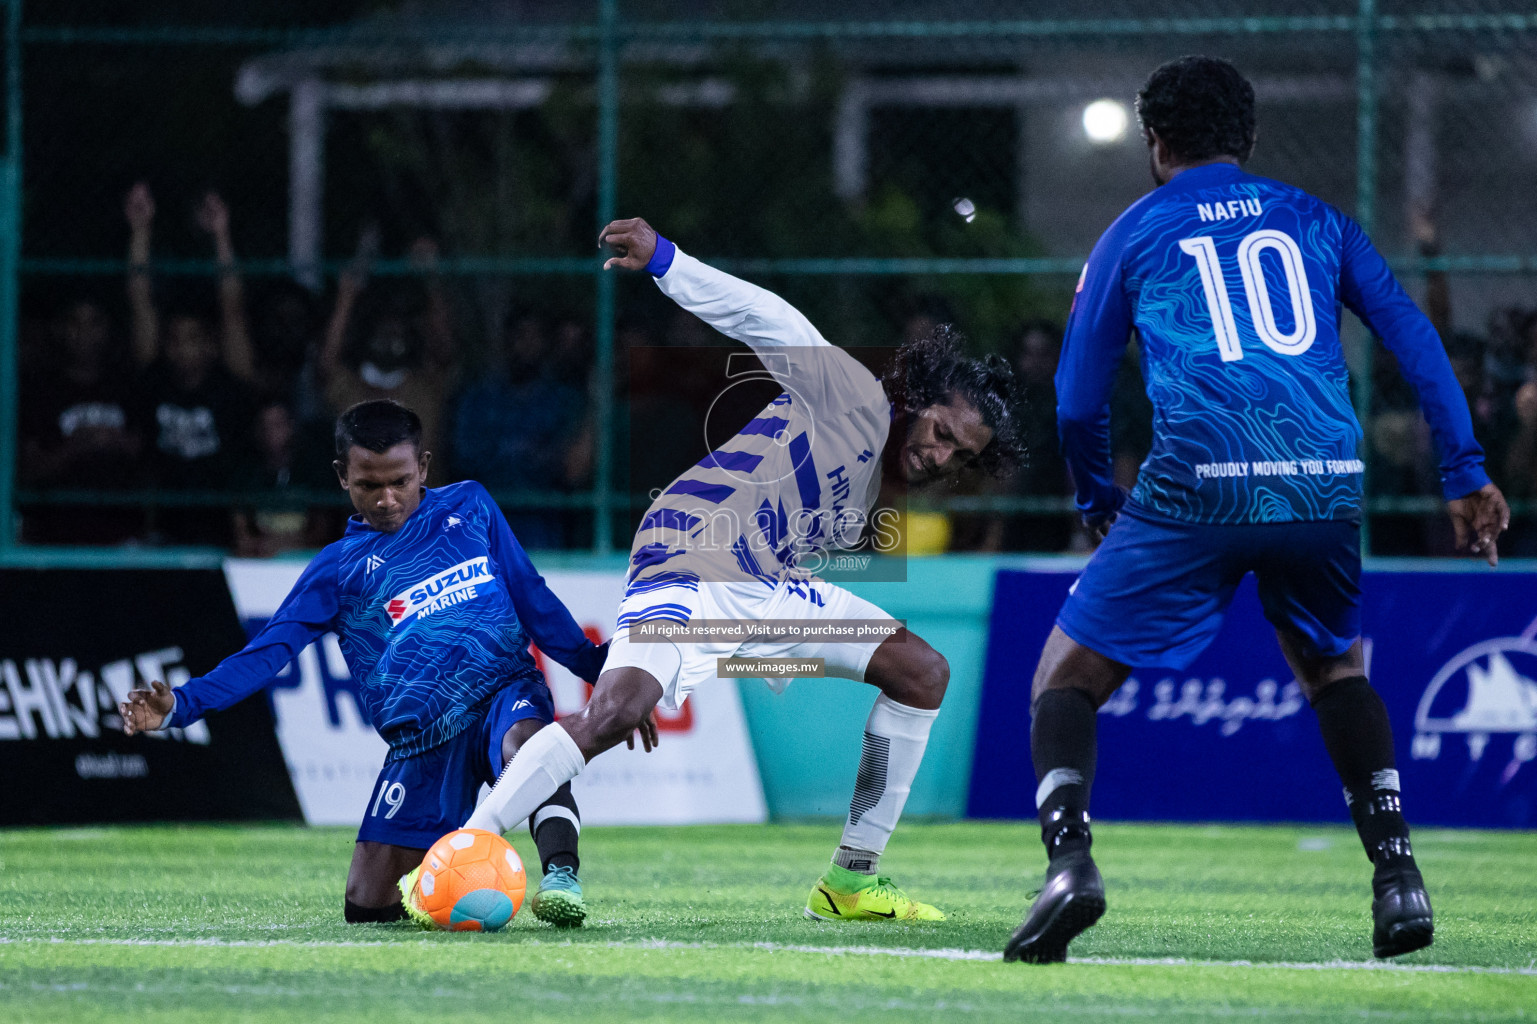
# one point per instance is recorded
(884, 170)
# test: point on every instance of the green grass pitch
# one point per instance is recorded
(704, 924)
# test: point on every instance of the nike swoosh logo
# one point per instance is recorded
(831, 905)
(889, 913)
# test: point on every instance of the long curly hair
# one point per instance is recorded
(934, 369)
(1201, 107)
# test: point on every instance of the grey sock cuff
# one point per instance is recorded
(863, 861)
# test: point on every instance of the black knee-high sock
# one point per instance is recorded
(1063, 747)
(1359, 738)
(555, 825)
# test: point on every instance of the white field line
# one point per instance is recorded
(982, 955)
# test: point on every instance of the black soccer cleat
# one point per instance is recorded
(1071, 901)
(1401, 917)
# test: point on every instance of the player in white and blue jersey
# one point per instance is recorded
(435, 603)
(738, 537)
(1233, 285)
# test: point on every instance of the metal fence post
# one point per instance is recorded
(608, 176)
(1366, 209)
(10, 256)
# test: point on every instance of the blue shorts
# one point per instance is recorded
(416, 800)
(1156, 591)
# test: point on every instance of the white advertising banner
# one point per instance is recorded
(703, 770)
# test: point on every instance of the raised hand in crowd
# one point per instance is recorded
(139, 210)
(1438, 292)
(235, 335)
(349, 288)
(1521, 458)
(440, 348)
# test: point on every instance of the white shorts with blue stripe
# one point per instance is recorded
(682, 665)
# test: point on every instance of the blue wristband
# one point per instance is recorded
(661, 259)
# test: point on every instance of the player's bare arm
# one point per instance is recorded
(1478, 519)
(633, 241)
(147, 710)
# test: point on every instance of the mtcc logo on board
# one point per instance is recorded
(1486, 690)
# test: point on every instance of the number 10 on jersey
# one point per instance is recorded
(1256, 292)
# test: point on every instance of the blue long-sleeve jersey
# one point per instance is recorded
(434, 619)
(1234, 285)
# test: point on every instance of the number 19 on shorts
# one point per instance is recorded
(392, 796)
(1256, 293)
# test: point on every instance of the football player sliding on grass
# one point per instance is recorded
(739, 537)
(435, 603)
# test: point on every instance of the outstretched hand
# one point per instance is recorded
(355, 274)
(147, 710)
(213, 215)
(139, 207)
(1478, 520)
(647, 732)
(632, 240)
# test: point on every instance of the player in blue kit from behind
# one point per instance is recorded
(435, 603)
(1233, 284)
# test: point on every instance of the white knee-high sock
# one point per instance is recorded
(895, 738)
(546, 762)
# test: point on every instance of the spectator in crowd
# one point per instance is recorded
(289, 462)
(1400, 450)
(285, 335)
(196, 383)
(1520, 463)
(79, 429)
(572, 356)
(669, 392)
(1042, 474)
(1493, 414)
(1521, 458)
(1512, 346)
(1393, 429)
(388, 345)
(513, 428)
(1494, 424)
(1523, 322)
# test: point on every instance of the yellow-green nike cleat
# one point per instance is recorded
(844, 895)
(414, 911)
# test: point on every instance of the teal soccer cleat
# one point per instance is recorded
(559, 899)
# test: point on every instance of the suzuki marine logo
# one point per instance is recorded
(1486, 690)
(446, 589)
